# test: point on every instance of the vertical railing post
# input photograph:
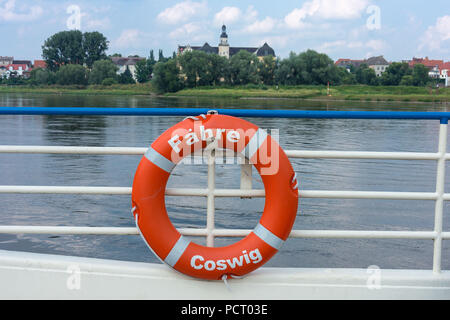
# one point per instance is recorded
(440, 186)
(246, 177)
(210, 209)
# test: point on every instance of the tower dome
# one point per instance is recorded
(224, 47)
(224, 32)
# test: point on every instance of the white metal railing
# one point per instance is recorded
(210, 192)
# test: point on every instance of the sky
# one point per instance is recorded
(356, 29)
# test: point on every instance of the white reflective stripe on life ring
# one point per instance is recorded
(157, 159)
(268, 237)
(177, 251)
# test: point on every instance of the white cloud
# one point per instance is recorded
(295, 18)
(227, 15)
(129, 38)
(325, 9)
(251, 14)
(100, 24)
(436, 34)
(280, 41)
(255, 26)
(182, 12)
(331, 45)
(8, 12)
(262, 26)
(93, 18)
(184, 31)
(342, 9)
(374, 46)
(135, 41)
(195, 33)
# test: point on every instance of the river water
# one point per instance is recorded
(301, 134)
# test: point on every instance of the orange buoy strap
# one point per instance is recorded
(177, 251)
(157, 159)
(254, 144)
(268, 237)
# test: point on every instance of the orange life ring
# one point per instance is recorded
(244, 256)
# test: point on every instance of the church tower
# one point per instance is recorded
(224, 47)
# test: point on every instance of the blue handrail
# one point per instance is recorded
(252, 113)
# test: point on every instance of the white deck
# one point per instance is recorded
(41, 276)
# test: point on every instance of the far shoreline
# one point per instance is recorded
(342, 93)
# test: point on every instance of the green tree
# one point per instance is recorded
(74, 47)
(143, 71)
(167, 76)
(126, 77)
(346, 77)
(407, 81)
(95, 46)
(161, 57)
(395, 73)
(151, 58)
(218, 69)
(194, 68)
(62, 48)
(109, 81)
(144, 68)
(102, 70)
(201, 69)
(244, 68)
(288, 71)
(71, 74)
(420, 75)
(366, 75)
(267, 68)
(42, 77)
(309, 67)
(318, 68)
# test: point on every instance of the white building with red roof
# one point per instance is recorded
(18, 68)
(445, 73)
(434, 66)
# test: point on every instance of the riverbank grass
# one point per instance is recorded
(345, 92)
(115, 89)
(350, 92)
